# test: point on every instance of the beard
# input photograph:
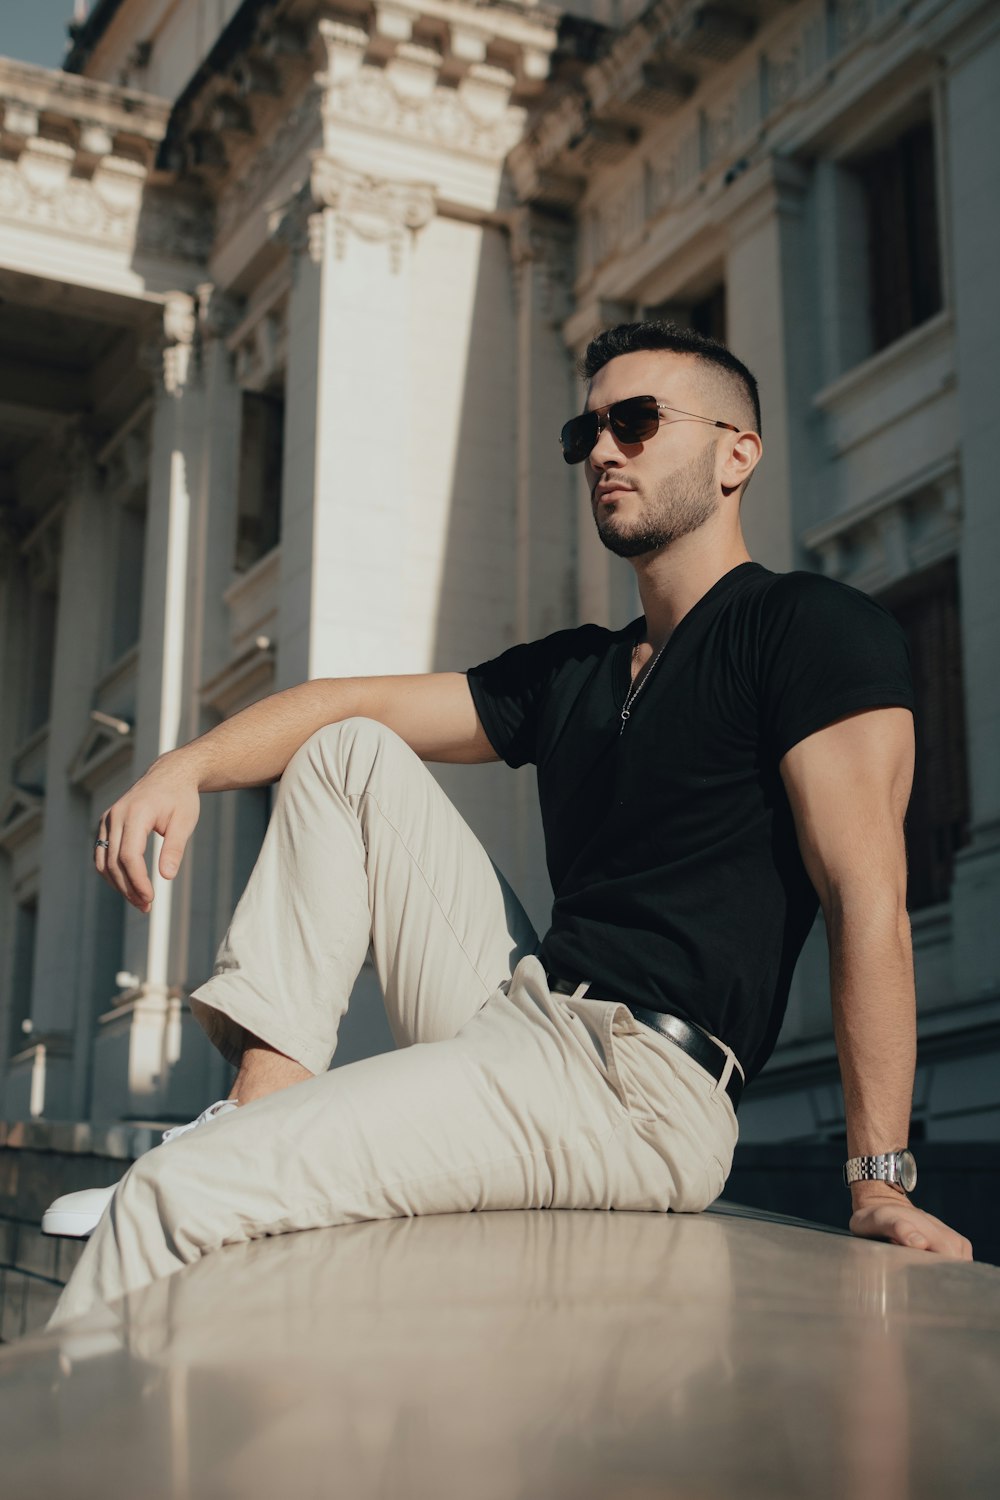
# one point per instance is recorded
(681, 502)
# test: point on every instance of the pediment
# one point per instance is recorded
(20, 816)
(99, 754)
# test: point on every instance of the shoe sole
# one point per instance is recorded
(70, 1226)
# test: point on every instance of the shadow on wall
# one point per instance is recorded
(506, 523)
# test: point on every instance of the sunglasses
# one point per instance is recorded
(633, 420)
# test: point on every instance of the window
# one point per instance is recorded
(904, 270)
(261, 454)
(708, 315)
(937, 823)
(703, 312)
(129, 566)
(42, 608)
(22, 971)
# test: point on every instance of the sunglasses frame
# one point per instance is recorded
(605, 418)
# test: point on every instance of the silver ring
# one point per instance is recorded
(102, 844)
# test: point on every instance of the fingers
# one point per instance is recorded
(166, 806)
(910, 1226)
(131, 862)
(100, 845)
(175, 837)
(122, 863)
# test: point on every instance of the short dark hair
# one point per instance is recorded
(631, 338)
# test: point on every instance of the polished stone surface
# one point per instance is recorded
(524, 1356)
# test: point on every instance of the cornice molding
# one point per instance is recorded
(664, 65)
(404, 96)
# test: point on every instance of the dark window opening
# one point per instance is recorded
(22, 972)
(704, 314)
(129, 567)
(708, 316)
(40, 658)
(937, 822)
(904, 263)
(262, 432)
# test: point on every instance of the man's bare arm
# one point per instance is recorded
(848, 786)
(434, 713)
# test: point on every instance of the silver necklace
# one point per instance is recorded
(639, 684)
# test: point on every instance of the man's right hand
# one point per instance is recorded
(433, 712)
(164, 801)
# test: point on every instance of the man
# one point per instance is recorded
(707, 776)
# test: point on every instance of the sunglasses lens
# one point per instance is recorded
(578, 437)
(634, 420)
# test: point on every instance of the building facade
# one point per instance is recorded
(290, 299)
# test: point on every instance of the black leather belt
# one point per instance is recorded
(691, 1039)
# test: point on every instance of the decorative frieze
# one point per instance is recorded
(374, 209)
(405, 99)
(74, 154)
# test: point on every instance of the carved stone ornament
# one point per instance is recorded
(73, 206)
(180, 325)
(372, 208)
(475, 119)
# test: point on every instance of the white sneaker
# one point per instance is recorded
(76, 1215)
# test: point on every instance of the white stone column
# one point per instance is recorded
(346, 427)
(973, 128)
(137, 1045)
(59, 987)
(208, 645)
(768, 327)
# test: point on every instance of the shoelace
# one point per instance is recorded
(219, 1107)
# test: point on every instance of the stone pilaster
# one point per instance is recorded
(346, 426)
(766, 303)
(60, 982)
(973, 113)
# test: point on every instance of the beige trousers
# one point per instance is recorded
(501, 1095)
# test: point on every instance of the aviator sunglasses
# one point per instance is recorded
(633, 420)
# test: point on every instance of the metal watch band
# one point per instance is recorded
(890, 1167)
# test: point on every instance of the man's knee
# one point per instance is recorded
(349, 746)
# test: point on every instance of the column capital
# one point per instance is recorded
(219, 312)
(172, 353)
(376, 209)
(180, 326)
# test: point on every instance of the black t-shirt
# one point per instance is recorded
(671, 847)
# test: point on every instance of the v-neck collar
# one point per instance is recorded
(633, 633)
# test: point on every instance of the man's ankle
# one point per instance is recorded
(264, 1070)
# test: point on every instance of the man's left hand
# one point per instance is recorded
(887, 1215)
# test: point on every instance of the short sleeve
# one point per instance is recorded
(826, 650)
(508, 692)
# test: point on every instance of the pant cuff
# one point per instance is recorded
(227, 1008)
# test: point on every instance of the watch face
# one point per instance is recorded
(907, 1171)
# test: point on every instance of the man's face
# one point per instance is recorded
(646, 495)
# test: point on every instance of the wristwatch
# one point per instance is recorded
(897, 1168)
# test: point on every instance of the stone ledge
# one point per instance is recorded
(120, 1140)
